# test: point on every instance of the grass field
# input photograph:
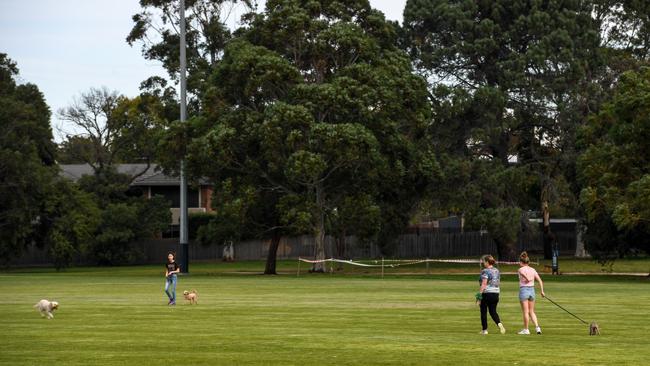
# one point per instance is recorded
(118, 316)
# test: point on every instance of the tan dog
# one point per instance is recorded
(46, 308)
(191, 296)
(594, 329)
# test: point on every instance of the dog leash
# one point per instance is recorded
(560, 306)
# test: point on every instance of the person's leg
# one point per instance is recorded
(492, 306)
(167, 283)
(174, 280)
(484, 310)
(524, 311)
(531, 311)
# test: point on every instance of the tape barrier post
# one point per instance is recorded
(428, 273)
(382, 268)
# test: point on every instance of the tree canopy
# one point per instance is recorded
(509, 81)
(614, 170)
(314, 107)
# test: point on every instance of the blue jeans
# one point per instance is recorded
(527, 293)
(171, 281)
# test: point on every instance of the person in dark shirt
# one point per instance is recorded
(171, 271)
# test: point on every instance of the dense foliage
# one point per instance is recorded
(615, 170)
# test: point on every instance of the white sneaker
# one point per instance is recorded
(524, 331)
(538, 330)
(484, 332)
(502, 329)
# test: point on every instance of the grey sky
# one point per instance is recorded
(67, 46)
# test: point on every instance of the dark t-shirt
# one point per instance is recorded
(171, 266)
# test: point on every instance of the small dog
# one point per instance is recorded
(594, 329)
(46, 308)
(191, 296)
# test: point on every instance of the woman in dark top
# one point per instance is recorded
(171, 271)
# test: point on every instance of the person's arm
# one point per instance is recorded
(479, 295)
(541, 284)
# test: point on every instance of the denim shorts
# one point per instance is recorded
(527, 293)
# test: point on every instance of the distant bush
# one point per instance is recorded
(124, 223)
(197, 220)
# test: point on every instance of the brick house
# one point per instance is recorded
(154, 182)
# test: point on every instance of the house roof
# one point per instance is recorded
(153, 176)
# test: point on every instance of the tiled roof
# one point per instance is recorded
(153, 176)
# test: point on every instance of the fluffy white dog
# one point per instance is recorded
(46, 308)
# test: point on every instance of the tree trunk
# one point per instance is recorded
(272, 256)
(320, 247)
(340, 249)
(581, 252)
(505, 250)
(548, 236)
(320, 233)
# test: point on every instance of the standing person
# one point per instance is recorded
(527, 277)
(171, 271)
(488, 294)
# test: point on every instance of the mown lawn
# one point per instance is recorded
(118, 316)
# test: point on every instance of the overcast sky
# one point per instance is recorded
(67, 46)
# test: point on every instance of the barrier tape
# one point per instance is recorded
(402, 262)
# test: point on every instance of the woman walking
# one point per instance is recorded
(488, 294)
(527, 277)
(171, 271)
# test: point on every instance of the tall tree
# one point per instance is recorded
(157, 29)
(315, 105)
(27, 158)
(512, 88)
(615, 171)
(36, 205)
(107, 129)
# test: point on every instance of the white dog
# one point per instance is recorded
(46, 308)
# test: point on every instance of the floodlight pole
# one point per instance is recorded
(184, 246)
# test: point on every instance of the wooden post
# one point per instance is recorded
(298, 275)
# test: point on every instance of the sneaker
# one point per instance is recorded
(502, 329)
(172, 303)
(538, 330)
(524, 331)
(484, 332)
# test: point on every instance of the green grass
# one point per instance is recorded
(118, 316)
(567, 265)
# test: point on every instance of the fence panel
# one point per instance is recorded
(407, 246)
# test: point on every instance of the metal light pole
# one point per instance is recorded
(183, 233)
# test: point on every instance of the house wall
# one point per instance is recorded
(206, 198)
(172, 194)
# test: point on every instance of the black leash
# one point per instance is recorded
(560, 306)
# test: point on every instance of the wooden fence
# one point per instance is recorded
(407, 246)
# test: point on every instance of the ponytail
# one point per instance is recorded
(488, 259)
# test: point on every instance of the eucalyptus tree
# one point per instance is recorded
(315, 109)
(511, 83)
